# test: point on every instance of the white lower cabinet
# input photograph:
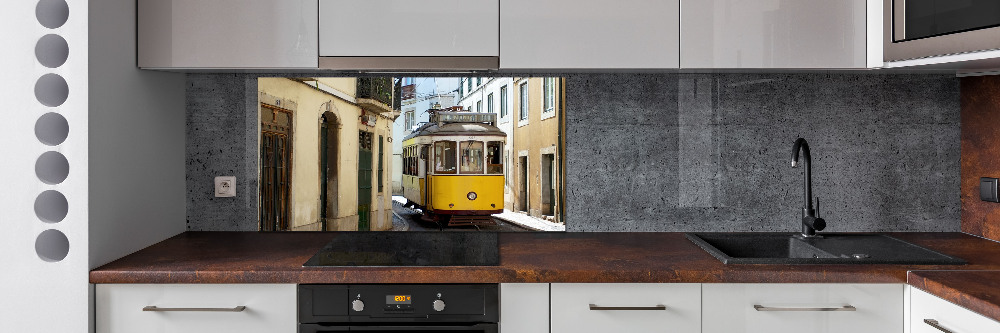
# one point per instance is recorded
(930, 314)
(524, 308)
(196, 308)
(626, 307)
(802, 308)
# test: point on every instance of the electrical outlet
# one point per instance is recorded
(225, 186)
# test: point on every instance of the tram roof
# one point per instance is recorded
(455, 129)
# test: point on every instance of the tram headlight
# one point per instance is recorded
(471, 195)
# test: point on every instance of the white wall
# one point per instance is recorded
(137, 185)
(38, 295)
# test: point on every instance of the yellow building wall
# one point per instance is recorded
(305, 182)
(536, 136)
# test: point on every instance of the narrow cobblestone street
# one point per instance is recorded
(405, 219)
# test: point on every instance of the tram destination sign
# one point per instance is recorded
(464, 117)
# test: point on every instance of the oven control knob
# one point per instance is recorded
(358, 305)
(438, 305)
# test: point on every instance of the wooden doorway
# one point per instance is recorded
(275, 167)
(328, 180)
(364, 180)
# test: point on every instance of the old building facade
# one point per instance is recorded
(325, 153)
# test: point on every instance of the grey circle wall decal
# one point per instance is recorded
(51, 51)
(52, 245)
(51, 129)
(52, 13)
(51, 206)
(51, 90)
(52, 167)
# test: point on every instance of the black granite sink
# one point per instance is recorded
(786, 248)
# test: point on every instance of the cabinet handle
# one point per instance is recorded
(630, 308)
(935, 324)
(759, 307)
(233, 309)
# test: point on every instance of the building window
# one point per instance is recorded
(460, 90)
(523, 105)
(469, 84)
(380, 158)
(479, 81)
(503, 101)
(409, 121)
(549, 91)
(489, 103)
(479, 106)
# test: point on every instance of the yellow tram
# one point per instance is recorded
(453, 168)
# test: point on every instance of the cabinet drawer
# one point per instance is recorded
(268, 308)
(949, 316)
(626, 307)
(770, 308)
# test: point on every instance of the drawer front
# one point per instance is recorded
(949, 316)
(730, 308)
(269, 308)
(664, 307)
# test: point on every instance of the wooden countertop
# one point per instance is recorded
(978, 291)
(255, 257)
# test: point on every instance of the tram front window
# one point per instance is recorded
(444, 157)
(494, 157)
(472, 157)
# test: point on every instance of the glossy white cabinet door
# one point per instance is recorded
(774, 34)
(367, 28)
(729, 308)
(949, 316)
(269, 308)
(679, 307)
(227, 34)
(524, 308)
(588, 34)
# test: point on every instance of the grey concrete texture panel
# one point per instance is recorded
(221, 141)
(712, 152)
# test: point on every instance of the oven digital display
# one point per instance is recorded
(397, 299)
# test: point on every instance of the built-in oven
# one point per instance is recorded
(927, 28)
(465, 308)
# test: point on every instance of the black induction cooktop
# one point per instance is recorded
(432, 248)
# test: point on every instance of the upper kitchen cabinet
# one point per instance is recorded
(220, 34)
(409, 34)
(781, 34)
(575, 34)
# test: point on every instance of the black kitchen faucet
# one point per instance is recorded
(810, 222)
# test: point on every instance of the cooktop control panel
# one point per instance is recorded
(387, 303)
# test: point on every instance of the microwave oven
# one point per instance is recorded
(915, 29)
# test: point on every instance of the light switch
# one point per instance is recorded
(225, 186)
(988, 189)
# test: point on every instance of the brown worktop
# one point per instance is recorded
(978, 291)
(256, 257)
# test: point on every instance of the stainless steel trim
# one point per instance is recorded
(410, 63)
(627, 308)
(759, 307)
(963, 42)
(935, 324)
(158, 309)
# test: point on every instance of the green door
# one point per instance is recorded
(364, 180)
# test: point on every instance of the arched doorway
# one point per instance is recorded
(328, 191)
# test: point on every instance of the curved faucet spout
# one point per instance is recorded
(810, 222)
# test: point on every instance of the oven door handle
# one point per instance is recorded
(417, 327)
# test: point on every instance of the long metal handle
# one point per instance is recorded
(935, 324)
(629, 308)
(233, 309)
(759, 307)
